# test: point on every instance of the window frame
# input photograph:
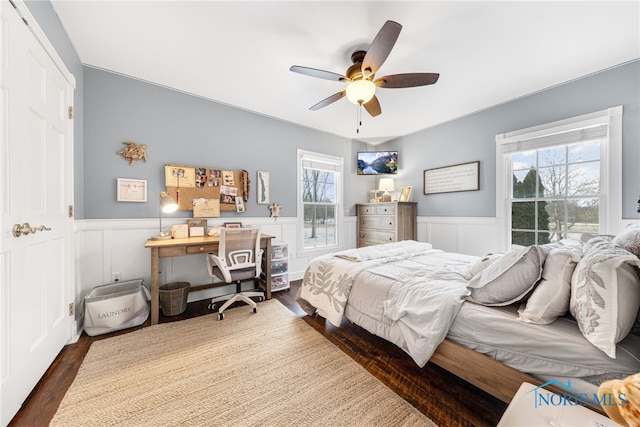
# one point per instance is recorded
(337, 165)
(610, 209)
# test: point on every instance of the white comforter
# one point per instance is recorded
(426, 289)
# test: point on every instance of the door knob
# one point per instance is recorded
(24, 229)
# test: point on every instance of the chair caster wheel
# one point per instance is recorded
(260, 299)
(255, 309)
(211, 307)
(220, 316)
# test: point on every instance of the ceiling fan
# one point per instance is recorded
(359, 77)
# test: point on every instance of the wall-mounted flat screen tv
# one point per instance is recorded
(377, 162)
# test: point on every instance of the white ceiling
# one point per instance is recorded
(239, 52)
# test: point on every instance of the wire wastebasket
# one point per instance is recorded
(173, 297)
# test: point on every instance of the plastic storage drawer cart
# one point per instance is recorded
(116, 306)
(279, 266)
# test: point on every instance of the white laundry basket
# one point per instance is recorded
(116, 306)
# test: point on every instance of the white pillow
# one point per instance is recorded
(605, 293)
(550, 298)
(509, 278)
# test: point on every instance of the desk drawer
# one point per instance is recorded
(202, 249)
(171, 251)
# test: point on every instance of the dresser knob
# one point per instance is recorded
(201, 249)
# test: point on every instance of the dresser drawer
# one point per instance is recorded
(385, 210)
(366, 210)
(379, 222)
(202, 249)
(374, 237)
(377, 209)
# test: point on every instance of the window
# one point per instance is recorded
(559, 180)
(319, 200)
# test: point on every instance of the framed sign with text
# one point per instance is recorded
(450, 179)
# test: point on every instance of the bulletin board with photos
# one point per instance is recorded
(205, 190)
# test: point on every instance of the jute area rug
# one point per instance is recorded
(264, 369)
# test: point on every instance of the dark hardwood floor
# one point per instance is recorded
(443, 397)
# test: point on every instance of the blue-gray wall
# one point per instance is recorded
(472, 138)
(179, 128)
(183, 129)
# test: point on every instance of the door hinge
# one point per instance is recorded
(70, 211)
(70, 112)
(71, 308)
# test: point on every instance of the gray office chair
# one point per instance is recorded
(239, 258)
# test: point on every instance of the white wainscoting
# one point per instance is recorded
(105, 247)
(466, 235)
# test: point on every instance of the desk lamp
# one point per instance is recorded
(386, 185)
(167, 205)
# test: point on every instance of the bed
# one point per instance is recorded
(438, 307)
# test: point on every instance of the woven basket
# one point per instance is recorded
(173, 297)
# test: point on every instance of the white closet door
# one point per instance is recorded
(36, 177)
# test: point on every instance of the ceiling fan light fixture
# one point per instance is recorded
(360, 91)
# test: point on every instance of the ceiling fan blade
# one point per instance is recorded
(330, 100)
(373, 107)
(407, 80)
(321, 74)
(380, 47)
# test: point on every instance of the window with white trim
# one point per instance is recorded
(319, 200)
(559, 180)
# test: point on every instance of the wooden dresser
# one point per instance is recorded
(386, 222)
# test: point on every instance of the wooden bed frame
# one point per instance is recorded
(486, 373)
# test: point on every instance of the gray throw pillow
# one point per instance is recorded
(509, 278)
(629, 239)
(550, 298)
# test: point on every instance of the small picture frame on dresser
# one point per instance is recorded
(405, 194)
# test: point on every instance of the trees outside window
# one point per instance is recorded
(319, 200)
(559, 180)
(555, 193)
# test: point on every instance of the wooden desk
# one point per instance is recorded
(194, 246)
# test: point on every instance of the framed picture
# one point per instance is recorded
(450, 179)
(262, 192)
(197, 227)
(405, 194)
(132, 190)
(232, 225)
